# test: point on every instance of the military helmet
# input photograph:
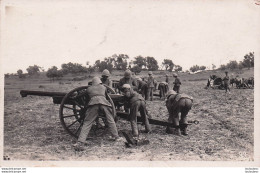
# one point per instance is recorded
(150, 73)
(175, 75)
(105, 73)
(128, 74)
(226, 71)
(171, 92)
(126, 86)
(139, 79)
(96, 81)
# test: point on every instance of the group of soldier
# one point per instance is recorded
(135, 91)
(227, 81)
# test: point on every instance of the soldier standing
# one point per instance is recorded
(97, 104)
(150, 85)
(167, 79)
(177, 83)
(128, 79)
(105, 78)
(137, 104)
(226, 82)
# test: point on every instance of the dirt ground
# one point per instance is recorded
(32, 129)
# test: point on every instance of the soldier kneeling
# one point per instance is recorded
(175, 104)
(137, 104)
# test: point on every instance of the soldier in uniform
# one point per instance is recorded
(128, 79)
(226, 82)
(142, 88)
(137, 104)
(105, 78)
(167, 78)
(150, 85)
(177, 83)
(175, 104)
(97, 104)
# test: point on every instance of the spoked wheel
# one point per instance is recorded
(73, 109)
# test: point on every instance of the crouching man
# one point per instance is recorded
(97, 105)
(178, 103)
(137, 104)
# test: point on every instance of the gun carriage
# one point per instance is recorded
(73, 106)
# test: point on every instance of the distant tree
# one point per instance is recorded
(240, 65)
(213, 66)
(73, 68)
(222, 67)
(136, 69)
(168, 64)
(140, 61)
(232, 65)
(177, 68)
(152, 64)
(20, 73)
(7, 75)
(121, 61)
(249, 60)
(202, 67)
(194, 68)
(53, 73)
(32, 70)
(102, 65)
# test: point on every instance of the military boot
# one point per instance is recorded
(169, 130)
(177, 131)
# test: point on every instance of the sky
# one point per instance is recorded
(188, 32)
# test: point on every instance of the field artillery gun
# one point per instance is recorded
(73, 106)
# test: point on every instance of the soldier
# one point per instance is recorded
(226, 82)
(105, 78)
(127, 79)
(167, 78)
(137, 104)
(163, 88)
(177, 83)
(142, 88)
(150, 85)
(175, 104)
(97, 104)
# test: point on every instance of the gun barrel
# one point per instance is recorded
(24, 93)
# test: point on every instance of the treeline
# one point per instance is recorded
(121, 62)
(247, 62)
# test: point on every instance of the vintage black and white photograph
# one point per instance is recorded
(151, 81)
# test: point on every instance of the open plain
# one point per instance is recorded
(32, 129)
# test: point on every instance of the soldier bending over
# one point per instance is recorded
(137, 104)
(175, 104)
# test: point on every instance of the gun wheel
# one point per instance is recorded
(73, 109)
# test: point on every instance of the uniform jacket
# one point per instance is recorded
(172, 100)
(107, 82)
(131, 81)
(226, 79)
(141, 84)
(150, 82)
(134, 97)
(97, 94)
(177, 82)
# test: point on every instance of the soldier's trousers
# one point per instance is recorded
(91, 115)
(136, 108)
(144, 93)
(150, 93)
(176, 88)
(226, 86)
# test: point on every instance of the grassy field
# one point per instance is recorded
(32, 129)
